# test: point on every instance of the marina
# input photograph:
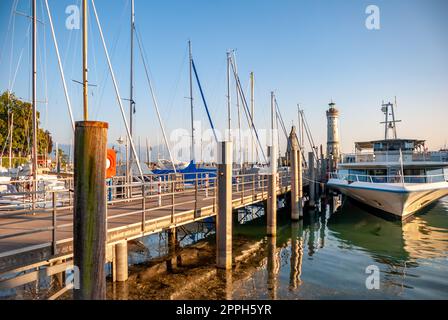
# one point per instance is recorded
(256, 200)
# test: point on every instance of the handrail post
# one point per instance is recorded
(206, 184)
(242, 189)
(54, 223)
(143, 206)
(159, 190)
(196, 196)
(172, 199)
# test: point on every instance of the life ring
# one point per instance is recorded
(111, 163)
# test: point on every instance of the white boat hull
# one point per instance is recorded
(401, 200)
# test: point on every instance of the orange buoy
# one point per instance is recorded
(111, 163)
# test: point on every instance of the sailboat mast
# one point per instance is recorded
(228, 97)
(192, 155)
(252, 111)
(84, 60)
(34, 95)
(131, 92)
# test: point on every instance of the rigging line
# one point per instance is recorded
(308, 134)
(12, 45)
(246, 111)
(175, 88)
(12, 84)
(280, 118)
(117, 92)
(9, 29)
(140, 46)
(105, 77)
(203, 100)
(61, 69)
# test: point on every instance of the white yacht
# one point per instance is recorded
(398, 176)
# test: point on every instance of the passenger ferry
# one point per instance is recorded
(398, 176)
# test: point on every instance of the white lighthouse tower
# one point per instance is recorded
(333, 148)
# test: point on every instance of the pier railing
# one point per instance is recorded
(410, 179)
(158, 197)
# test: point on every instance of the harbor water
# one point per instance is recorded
(349, 254)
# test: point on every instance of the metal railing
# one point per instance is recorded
(392, 156)
(134, 202)
(410, 179)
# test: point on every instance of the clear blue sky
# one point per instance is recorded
(308, 52)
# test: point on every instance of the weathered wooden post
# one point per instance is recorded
(121, 260)
(171, 262)
(89, 227)
(312, 180)
(224, 217)
(296, 176)
(272, 194)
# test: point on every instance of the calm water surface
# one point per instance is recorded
(323, 257)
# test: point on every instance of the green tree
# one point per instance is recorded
(23, 124)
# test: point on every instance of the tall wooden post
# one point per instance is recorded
(89, 228)
(296, 176)
(224, 217)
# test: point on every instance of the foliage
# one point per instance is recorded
(23, 124)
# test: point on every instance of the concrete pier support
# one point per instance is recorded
(312, 179)
(121, 260)
(296, 176)
(89, 227)
(272, 194)
(224, 216)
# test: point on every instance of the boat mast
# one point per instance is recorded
(240, 150)
(252, 113)
(192, 155)
(228, 97)
(131, 94)
(389, 124)
(84, 60)
(34, 97)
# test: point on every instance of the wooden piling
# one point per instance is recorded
(121, 260)
(224, 216)
(272, 195)
(89, 227)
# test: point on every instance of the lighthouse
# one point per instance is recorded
(333, 149)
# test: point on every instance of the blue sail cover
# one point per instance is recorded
(190, 173)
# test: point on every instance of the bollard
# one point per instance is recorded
(272, 194)
(224, 217)
(121, 260)
(90, 211)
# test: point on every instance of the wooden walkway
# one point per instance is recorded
(126, 221)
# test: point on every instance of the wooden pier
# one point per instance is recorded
(38, 240)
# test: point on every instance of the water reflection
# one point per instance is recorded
(393, 242)
(273, 265)
(296, 254)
